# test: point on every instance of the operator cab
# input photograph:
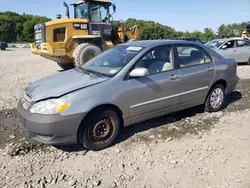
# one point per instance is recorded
(96, 11)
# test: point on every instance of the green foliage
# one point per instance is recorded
(20, 28)
(154, 30)
(15, 27)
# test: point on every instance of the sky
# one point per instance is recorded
(182, 15)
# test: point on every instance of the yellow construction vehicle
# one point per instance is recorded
(127, 34)
(73, 41)
(246, 33)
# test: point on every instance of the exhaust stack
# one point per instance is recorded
(66, 9)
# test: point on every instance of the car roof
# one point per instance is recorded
(227, 39)
(186, 38)
(153, 43)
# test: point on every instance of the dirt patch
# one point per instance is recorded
(186, 149)
(13, 138)
(191, 122)
(240, 99)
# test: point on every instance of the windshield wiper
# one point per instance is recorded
(97, 73)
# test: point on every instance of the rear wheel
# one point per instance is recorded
(84, 52)
(100, 129)
(216, 99)
(3, 48)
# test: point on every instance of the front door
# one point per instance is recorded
(197, 71)
(156, 94)
(229, 51)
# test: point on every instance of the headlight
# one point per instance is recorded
(50, 106)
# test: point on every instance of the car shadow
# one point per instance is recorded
(232, 98)
(61, 70)
(132, 130)
(243, 64)
(8, 50)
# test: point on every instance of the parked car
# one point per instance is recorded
(237, 48)
(127, 84)
(3, 45)
(189, 39)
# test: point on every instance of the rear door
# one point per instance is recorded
(197, 71)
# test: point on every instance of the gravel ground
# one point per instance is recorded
(189, 149)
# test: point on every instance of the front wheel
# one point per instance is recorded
(216, 99)
(100, 130)
(84, 52)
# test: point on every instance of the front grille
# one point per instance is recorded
(39, 35)
(26, 101)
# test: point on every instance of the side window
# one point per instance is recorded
(82, 11)
(98, 13)
(242, 43)
(157, 60)
(230, 44)
(192, 55)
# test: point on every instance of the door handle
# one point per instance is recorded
(174, 77)
(235, 50)
(210, 69)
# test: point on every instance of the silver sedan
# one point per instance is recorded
(127, 84)
(237, 48)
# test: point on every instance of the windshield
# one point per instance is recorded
(81, 11)
(110, 62)
(98, 12)
(214, 43)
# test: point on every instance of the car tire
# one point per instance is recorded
(3, 48)
(100, 129)
(66, 66)
(213, 103)
(84, 52)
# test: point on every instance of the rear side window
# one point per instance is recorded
(242, 43)
(190, 55)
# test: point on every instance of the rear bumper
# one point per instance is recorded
(58, 55)
(47, 50)
(232, 84)
(50, 129)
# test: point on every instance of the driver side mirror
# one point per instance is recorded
(138, 72)
(224, 47)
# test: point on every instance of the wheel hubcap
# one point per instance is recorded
(88, 57)
(102, 130)
(217, 98)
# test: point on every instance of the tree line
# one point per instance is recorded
(155, 30)
(20, 28)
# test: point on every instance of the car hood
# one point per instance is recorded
(61, 83)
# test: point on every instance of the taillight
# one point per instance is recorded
(236, 64)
